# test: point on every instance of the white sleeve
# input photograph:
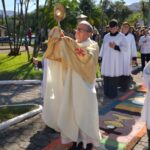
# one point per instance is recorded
(133, 48)
(140, 42)
(146, 74)
(123, 45)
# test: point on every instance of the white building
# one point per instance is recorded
(2, 31)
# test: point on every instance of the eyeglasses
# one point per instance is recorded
(81, 30)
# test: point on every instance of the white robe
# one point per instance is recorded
(131, 52)
(70, 104)
(145, 115)
(111, 59)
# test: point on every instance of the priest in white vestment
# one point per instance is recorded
(70, 103)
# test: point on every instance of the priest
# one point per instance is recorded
(70, 103)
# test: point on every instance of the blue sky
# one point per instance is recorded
(9, 4)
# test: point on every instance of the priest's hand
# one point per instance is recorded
(112, 44)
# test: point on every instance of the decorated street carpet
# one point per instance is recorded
(120, 123)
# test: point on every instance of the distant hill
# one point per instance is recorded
(135, 7)
(8, 12)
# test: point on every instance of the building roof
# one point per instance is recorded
(81, 16)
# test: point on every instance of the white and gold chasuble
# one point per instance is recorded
(70, 103)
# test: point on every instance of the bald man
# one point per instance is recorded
(70, 103)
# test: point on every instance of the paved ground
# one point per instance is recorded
(32, 134)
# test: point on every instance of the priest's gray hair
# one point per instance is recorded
(89, 26)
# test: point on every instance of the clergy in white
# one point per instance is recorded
(128, 58)
(113, 45)
(70, 103)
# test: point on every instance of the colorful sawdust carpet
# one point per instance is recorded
(120, 121)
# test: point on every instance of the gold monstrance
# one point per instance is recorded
(59, 12)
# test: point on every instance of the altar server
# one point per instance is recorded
(113, 45)
(128, 58)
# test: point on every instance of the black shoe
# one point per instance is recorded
(73, 147)
(80, 146)
(89, 146)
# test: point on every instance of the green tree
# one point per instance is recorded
(144, 10)
(15, 26)
(93, 11)
(133, 18)
(72, 11)
(118, 10)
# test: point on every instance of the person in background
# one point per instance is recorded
(68, 85)
(106, 31)
(128, 57)
(95, 36)
(132, 31)
(144, 44)
(145, 114)
(29, 34)
(114, 44)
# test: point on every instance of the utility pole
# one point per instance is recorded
(149, 13)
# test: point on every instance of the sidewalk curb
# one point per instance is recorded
(20, 118)
(20, 82)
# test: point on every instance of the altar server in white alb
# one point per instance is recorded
(128, 58)
(70, 103)
(144, 44)
(145, 115)
(113, 45)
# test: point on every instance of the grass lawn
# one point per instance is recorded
(9, 112)
(17, 68)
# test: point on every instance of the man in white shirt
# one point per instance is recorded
(144, 44)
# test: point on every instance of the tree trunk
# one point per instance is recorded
(5, 15)
(37, 39)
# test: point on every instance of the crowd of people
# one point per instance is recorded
(69, 73)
